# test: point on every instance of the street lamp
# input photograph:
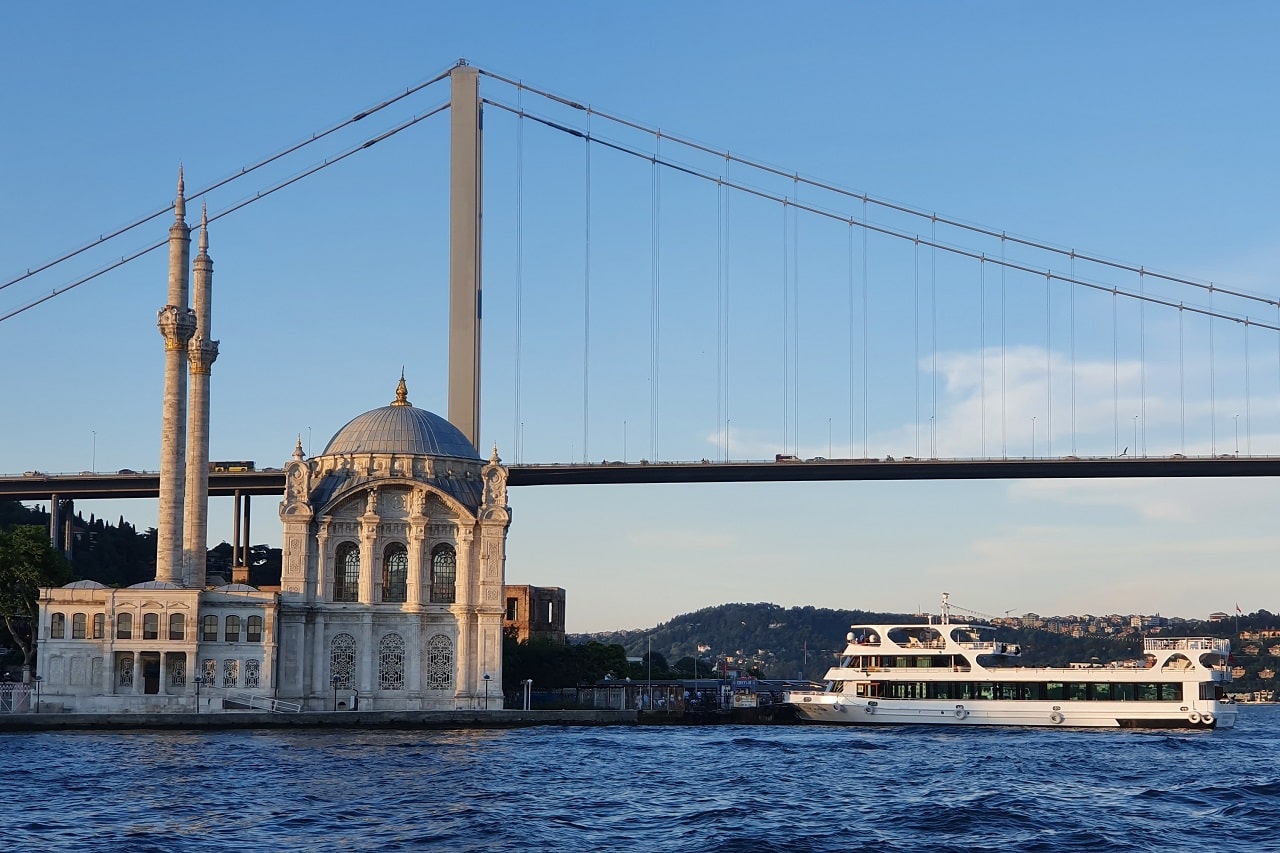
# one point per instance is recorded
(198, 680)
(486, 691)
(650, 688)
(39, 678)
(1237, 419)
(335, 680)
(1135, 436)
(1033, 436)
(93, 466)
(528, 693)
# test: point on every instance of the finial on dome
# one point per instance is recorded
(297, 449)
(204, 228)
(402, 392)
(180, 204)
(493, 457)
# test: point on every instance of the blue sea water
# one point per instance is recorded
(748, 788)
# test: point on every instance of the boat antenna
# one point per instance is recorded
(946, 608)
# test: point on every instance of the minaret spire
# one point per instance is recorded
(177, 323)
(202, 351)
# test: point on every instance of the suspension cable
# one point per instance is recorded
(863, 223)
(315, 137)
(884, 203)
(261, 194)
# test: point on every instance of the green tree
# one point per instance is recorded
(27, 562)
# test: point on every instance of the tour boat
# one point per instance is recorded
(950, 673)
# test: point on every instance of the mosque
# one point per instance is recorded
(391, 594)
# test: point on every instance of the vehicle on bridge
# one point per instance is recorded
(231, 467)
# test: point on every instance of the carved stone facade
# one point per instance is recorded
(393, 566)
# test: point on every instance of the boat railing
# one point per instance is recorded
(1197, 644)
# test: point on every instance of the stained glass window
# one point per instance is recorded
(346, 574)
(252, 673)
(395, 573)
(444, 574)
(126, 670)
(177, 669)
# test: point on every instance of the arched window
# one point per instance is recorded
(232, 634)
(346, 572)
(395, 573)
(99, 625)
(177, 626)
(209, 629)
(391, 662)
(252, 673)
(253, 629)
(444, 574)
(342, 660)
(57, 626)
(78, 624)
(124, 626)
(151, 626)
(439, 663)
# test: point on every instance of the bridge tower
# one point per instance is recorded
(464, 251)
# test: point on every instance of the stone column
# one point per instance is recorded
(368, 548)
(137, 673)
(469, 676)
(417, 555)
(163, 687)
(324, 583)
(367, 659)
(319, 658)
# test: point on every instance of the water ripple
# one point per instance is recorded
(757, 789)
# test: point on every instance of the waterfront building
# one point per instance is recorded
(394, 553)
(534, 613)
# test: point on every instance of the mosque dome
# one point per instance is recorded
(401, 428)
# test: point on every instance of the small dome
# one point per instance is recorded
(84, 585)
(236, 587)
(155, 585)
(401, 428)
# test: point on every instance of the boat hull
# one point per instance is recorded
(835, 708)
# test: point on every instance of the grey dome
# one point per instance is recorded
(401, 429)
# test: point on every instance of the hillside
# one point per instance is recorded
(801, 642)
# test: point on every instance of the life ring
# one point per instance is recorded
(961, 713)
(1056, 717)
(870, 709)
(1193, 718)
(1206, 718)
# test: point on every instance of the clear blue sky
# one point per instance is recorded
(1141, 132)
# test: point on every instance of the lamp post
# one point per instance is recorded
(1033, 436)
(334, 680)
(650, 687)
(486, 691)
(1237, 419)
(198, 680)
(93, 466)
(528, 693)
(39, 678)
(1135, 436)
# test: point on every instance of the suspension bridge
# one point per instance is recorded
(657, 309)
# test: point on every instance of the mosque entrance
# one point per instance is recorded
(150, 672)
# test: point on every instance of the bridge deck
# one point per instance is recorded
(40, 486)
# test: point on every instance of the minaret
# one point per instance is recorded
(202, 351)
(177, 323)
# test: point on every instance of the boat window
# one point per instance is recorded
(1077, 692)
(1171, 691)
(1055, 690)
(1124, 692)
(1208, 690)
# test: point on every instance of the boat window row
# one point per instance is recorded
(1067, 691)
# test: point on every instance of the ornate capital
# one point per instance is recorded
(201, 354)
(176, 325)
